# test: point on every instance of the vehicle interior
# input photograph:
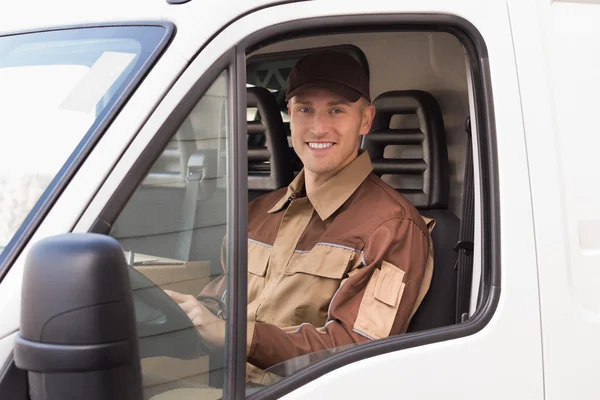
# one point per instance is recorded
(418, 144)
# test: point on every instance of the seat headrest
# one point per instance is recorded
(269, 160)
(417, 164)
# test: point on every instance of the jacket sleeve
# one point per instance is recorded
(375, 301)
(213, 294)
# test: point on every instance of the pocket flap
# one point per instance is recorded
(323, 260)
(258, 257)
(379, 306)
(389, 286)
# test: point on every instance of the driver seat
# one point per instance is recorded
(408, 150)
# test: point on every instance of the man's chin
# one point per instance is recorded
(319, 169)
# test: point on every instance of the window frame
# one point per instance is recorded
(476, 49)
(234, 59)
(58, 184)
(238, 200)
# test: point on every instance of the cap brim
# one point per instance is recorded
(347, 92)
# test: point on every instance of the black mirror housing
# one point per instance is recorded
(78, 334)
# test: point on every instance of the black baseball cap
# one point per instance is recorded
(332, 70)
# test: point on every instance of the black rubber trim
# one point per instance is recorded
(86, 145)
(167, 25)
(475, 46)
(13, 382)
(178, 1)
(238, 238)
(70, 358)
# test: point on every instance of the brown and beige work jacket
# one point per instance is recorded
(349, 262)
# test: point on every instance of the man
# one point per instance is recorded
(337, 257)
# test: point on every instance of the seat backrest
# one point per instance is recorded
(269, 155)
(407, 146)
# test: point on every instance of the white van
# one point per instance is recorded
(132, 136)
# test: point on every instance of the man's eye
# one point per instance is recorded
(337, 111)
(304, 109)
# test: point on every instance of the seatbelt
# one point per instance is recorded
(464, 246)
(192, 178)
(188, 214)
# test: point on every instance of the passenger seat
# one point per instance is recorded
(407, 146)
(270, 164)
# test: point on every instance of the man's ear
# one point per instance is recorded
(367, 120)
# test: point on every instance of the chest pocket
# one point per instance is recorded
(308, 285)
(323, 260)
(258, 259)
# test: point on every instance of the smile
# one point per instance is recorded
(315, 145)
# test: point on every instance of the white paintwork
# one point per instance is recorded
(559, 85)
(197, 21)
(543, 59)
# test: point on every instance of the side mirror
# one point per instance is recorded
(78, 335)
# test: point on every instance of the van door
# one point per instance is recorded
(500, 346)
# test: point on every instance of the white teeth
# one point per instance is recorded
(320, 145)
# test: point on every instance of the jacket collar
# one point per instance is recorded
(331, 195)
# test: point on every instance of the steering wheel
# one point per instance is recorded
(162, 326)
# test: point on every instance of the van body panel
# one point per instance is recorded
(557, 54)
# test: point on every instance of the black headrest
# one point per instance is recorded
(269, 159)
(423, 177)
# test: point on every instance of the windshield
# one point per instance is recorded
(55, 87)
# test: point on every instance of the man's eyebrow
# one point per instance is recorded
(338, 103)
(302, 101)
(307, 102)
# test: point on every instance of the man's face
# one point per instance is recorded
(326, 129)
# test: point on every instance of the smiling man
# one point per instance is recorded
(337, 257)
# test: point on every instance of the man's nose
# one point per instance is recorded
(320, 124)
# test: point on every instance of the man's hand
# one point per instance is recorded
(211, 328)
